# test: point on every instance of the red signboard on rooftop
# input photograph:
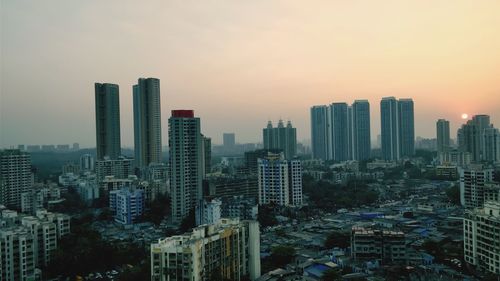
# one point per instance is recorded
(183, 113)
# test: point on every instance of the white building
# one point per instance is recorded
(120, 168)
(87, 163)
(230, 248)
(128, 205)
(15, 175)
(472, 182)
(279, 180)
(16, 242)
(208, 212)
(482, 236)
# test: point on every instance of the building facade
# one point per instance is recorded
(186, 162)
(229, 249)
(147, 122)
(127, 205)
(281, 137)
(107, 119)
(319, 132)
(472, 185)
(482, 236)
(361, 130)
(443, 135)
(16, 177)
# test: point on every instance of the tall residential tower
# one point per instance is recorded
(107, 119)
(147, 122)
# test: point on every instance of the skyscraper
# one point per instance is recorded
(186, 162)
(406, 127)
(470, 136)
(361, 130)
(107, 119)
(147, 122)
(443, 135)
(15, 177)
(319, 132)
(491, 145)
(228, 140)
(389, 128)
(339, 132)
(397, 128)
(281, 137)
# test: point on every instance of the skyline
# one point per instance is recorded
(260, 61)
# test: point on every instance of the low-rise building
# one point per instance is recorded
(384, 246)
(127, 204)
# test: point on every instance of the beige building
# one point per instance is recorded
(230, 249)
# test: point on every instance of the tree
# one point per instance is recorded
(188, 222)
(282, 255)
(453, 194)
(331, 275)
(266, 216)
(337, 239)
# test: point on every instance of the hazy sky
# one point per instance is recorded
(241, 63)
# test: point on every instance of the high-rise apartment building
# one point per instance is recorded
(207, 155)
(279, 181)
(472, 185)
(107, 119)
(208, 212)
(397, 128)
(17, 256)
(229, 249)
(281, 137)
(87, 163)
(228, 139)
(147, 122)
(481, 237)
(361, 145)
(470, 136)
(491, 145)
(406, 127)
(339, 132)
(15, 177)
(389, 128)
(443, 135)
(119, 168)
(186, 162)
(319, 132)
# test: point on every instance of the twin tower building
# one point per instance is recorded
(147, 121)
(340, 132)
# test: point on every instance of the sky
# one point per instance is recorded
(238, 64)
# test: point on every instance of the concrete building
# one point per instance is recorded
(389, 128)
(491, 145)
(470, 136)
(472, 185)
(208, 212)
(443, 135)
(228, 140)
(127, 205)
(15, 177)
(281, 137)
(107, 119)
(229, 249)
(481, 237)
(186, 162)
(338, 132)
(319, 132)
(384, 246)
(120, 168)
(147, 122)
(87, 163)
(280, 181)
(233, 186)
(70, 167)
(455, 157)
(207, 155)
(244, 208)
(16, 242)
(361, 140)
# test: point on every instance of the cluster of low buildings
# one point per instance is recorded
(28, 243)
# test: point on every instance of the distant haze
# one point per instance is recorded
(239, 64)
